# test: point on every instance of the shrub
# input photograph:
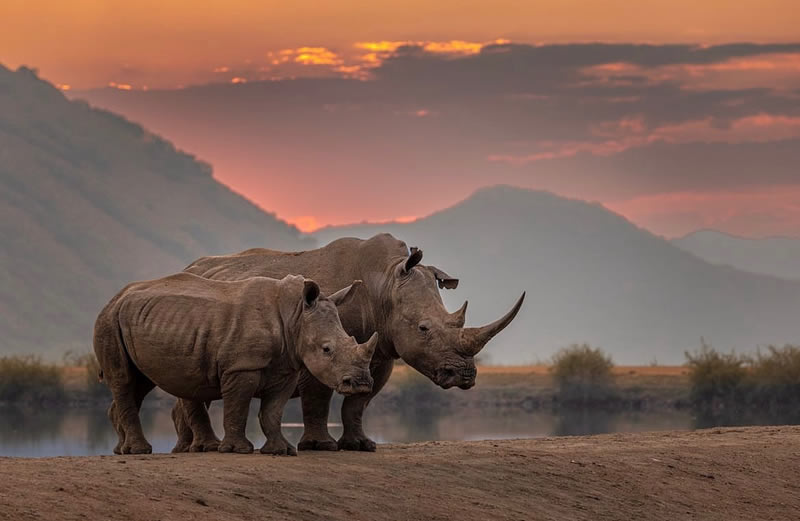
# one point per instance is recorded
(583, 373)
(775, 376)
(94, 387)
(28, 380)
(716, 379)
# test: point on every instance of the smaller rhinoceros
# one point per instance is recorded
(202, 340)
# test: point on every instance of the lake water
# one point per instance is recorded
(78, 432)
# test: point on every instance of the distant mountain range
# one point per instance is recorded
(591, 276)
(778, 256)
(90, 201)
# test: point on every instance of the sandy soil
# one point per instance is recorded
(725, 474)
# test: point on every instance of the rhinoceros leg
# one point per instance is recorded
(113, 417)
(315, 398)
(270, 414)
(128, 403)
(353, 407)
(185, 436)
(237, 391)
(196, 415)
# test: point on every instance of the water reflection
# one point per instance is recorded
(74, 432)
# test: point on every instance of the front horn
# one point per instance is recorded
(473, 339)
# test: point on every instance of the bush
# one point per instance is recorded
(775, 376)
(28, 380)
(583, 374)
(94, 387)
(716, 379)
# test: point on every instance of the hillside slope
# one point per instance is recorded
(90, 201)
(591, 276)
(777, 256)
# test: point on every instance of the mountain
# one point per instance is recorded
(90, 201)
(591, 276)
(778, 256)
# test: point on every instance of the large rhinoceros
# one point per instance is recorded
(203, 339)
(399, 300)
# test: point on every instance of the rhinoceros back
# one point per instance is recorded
(184, 331)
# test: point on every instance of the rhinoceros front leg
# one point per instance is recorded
(315, 398)
(353, 407)
(269, 415)
(237, 391)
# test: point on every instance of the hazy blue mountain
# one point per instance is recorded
(778, 256)
(90, 201)
(591, 276)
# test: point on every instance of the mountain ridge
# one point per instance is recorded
(90, 201)
(591, 276)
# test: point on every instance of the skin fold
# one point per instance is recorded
(202, 340)
(399, 300)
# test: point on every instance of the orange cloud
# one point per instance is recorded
(120, 86)
(316, 56)
(238, 79)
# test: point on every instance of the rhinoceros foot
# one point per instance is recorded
(360, 444)
(181, 446)
(239, 446)
(311, 444)
(205, 446)
(140, 447)
(278, 448)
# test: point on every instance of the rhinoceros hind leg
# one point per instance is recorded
(315, 399)
(185, 437)
(112, 416)
(128, 406)
(353, 407)
(203, 437)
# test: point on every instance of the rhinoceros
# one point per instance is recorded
(202, 339)
(400, 301)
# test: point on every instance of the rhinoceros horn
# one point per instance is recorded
(457, 318)
(473, 339)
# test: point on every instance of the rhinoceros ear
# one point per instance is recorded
(345, 295)
(445, 281)
(414, 258)
(310, 292)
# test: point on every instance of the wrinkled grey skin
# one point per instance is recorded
(399, 300)
(202, 339)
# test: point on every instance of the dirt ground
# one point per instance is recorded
(725, 474)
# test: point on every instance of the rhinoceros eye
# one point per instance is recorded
(326, 349)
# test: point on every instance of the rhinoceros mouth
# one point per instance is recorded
(350, 385)
(450, 376)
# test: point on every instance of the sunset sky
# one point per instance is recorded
(678, 114)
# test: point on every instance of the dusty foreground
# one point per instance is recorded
(726, 474)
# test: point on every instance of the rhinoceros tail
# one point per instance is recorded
(99, 375)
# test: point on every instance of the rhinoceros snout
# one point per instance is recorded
(355, 384)
(463, 378)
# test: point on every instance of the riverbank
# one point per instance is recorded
(717, 474)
